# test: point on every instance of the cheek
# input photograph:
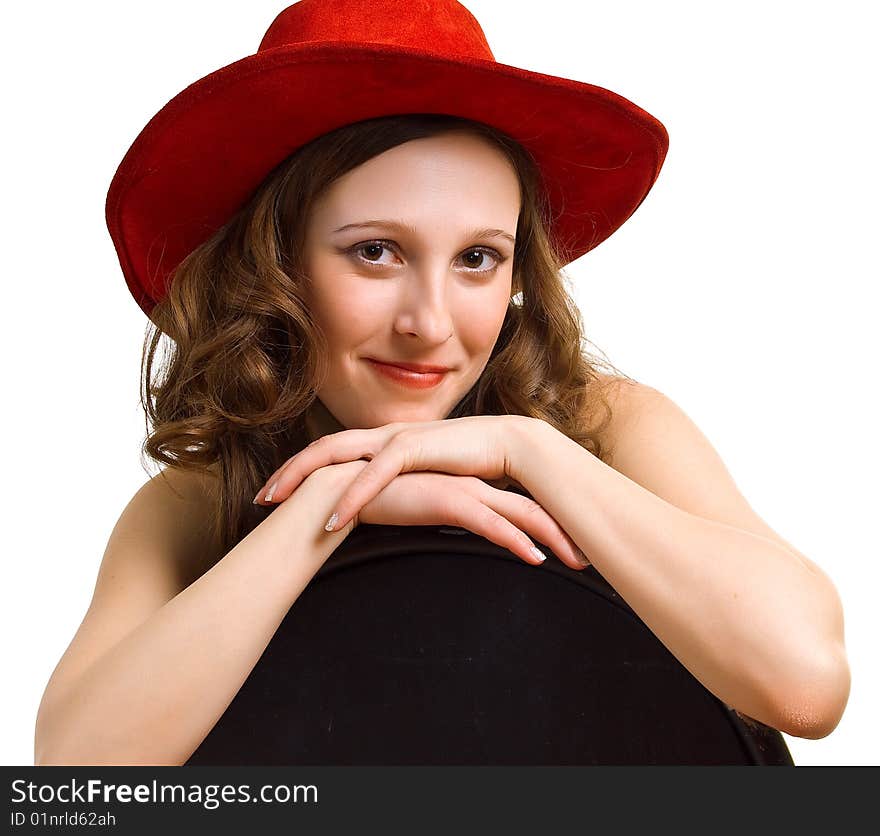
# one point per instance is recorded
(341, 311)
(479, 325)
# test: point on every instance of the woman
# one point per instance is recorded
(299, 237)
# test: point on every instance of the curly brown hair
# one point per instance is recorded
(246, 360)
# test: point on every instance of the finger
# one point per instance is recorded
(470, 513)
(345, 446)
(531, 517)
(284, 482)
(368, 484)
(284, 464)
(273, 477)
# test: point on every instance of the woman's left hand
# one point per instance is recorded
(479, 445)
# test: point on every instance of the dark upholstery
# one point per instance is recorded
(425, 645)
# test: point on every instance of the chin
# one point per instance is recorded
(410, 413)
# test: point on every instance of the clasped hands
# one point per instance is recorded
(444, 472)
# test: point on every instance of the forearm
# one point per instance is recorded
(743, 614)
(154, 697)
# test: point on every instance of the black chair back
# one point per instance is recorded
(432, 645)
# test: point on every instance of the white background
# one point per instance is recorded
(744, 287)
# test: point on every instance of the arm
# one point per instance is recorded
(758, 624)
(154, 696)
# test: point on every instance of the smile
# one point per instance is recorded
(405, 377)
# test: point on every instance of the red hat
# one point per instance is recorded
(327, 63)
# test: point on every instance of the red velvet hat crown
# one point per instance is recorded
(327, 63)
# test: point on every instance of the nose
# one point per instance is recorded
(423, 309)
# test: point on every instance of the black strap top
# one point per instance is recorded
(432, 645)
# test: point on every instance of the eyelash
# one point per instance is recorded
(499, 259)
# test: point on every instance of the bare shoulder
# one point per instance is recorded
(614, 386)
(622, 396)
(153, 553)
(176, 510)
(641, 417)
(656, 444)
(160, 539)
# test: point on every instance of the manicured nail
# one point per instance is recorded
(268, 497)
(331, 522)
(538, 553)
(581, 557)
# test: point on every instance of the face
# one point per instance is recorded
(410, 257)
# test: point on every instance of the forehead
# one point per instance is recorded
(424, 178)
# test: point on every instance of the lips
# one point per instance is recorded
(421, 368)
(404, 376)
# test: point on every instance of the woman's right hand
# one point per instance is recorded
(430, 498)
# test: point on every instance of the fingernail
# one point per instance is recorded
(331, 522)
(271, 490)
(538, 553)
(581, 557)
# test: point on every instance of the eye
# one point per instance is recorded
(481, 253)
(373, 251)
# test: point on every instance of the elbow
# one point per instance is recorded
(42, 754)
(47, 756)
(814, 709)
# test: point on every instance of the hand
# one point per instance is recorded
(480, 445)
(506, 518)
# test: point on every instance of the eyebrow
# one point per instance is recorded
(399, 226)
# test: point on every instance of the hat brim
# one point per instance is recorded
(199, 159)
